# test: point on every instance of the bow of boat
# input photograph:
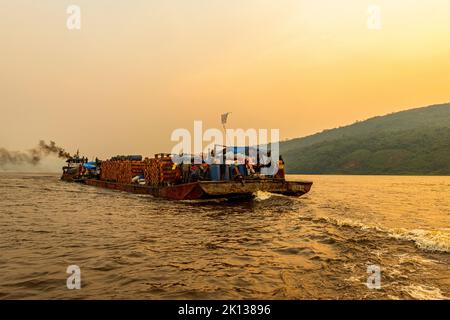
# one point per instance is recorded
(224, 188)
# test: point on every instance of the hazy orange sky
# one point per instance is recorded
(139, 69)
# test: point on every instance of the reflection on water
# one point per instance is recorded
(275, 247)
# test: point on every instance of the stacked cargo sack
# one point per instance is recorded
(161, 170)
(122, 171)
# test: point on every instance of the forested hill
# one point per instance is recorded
(415, 142)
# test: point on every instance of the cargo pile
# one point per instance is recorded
(122, 171)
(161, 170)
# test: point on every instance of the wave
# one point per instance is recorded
(433, 241)
(424, 239)
(424, 292)
(350, 223)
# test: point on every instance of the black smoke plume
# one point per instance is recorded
(32, 156)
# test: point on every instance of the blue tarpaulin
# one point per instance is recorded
(245, 150)
(90, 165)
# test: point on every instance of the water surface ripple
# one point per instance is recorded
(275, 247)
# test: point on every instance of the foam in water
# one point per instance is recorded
(262, 195)
(408, 258)
(426, 240)
(424, 292)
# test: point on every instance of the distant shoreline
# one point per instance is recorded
(369, 174)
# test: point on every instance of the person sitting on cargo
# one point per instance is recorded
(236, 174)
(265, 162)
(249, 166)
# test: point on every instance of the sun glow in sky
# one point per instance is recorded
(137, 70)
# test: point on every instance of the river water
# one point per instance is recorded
(318, 246)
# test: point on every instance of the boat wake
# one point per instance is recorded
(424, 239)
(432, 241)
(422, 292)
(263, 195)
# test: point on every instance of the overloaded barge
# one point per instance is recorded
(161, 177)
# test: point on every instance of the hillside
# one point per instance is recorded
(414, 141)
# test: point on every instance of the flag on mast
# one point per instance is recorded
(224, 118)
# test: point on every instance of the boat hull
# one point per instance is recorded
(210, 189)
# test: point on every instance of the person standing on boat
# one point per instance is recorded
(281, 172)
(185, 169)
(195, 173)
